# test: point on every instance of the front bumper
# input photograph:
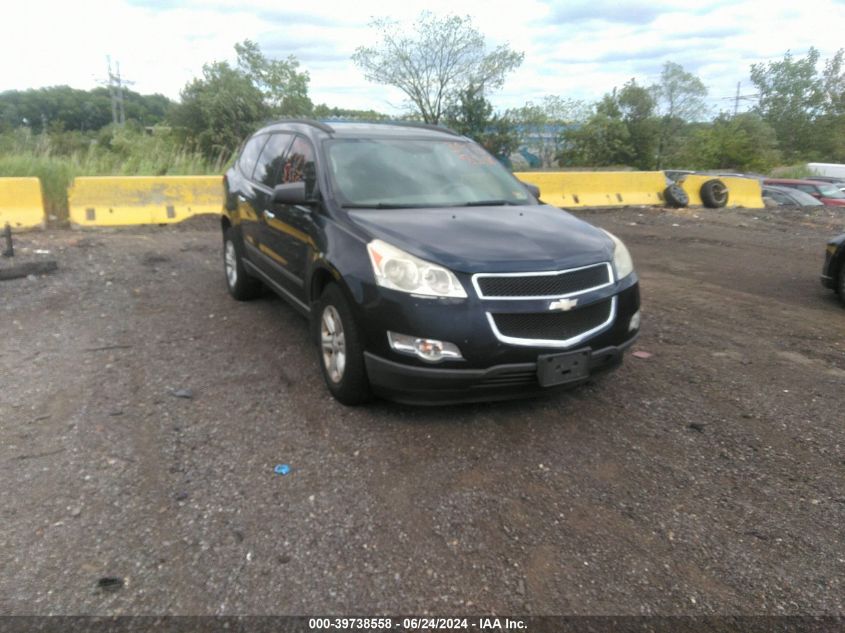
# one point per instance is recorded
(426, 385)
(828, 281)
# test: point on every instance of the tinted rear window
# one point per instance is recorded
(249, 156)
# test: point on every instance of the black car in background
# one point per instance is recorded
(429, 273)
(833, 272)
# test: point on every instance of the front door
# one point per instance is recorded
(288, 230)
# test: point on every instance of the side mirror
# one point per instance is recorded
(816, 194)
(534, 190)
(290, 193)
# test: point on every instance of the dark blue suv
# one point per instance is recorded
(430, 274)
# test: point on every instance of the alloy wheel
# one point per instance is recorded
(333, 343)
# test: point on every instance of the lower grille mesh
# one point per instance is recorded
(553, 326)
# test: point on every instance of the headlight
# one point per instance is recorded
(622, 261)
(401, 271)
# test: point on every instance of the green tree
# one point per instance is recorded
(637, 107)
(744, 143)
(323, 111)
(602, 141)
(621, 131)
(219, 109)
(473, 116)
(539, 125)
(75, 110)
(791, 99)
(679, 98)
(283, 86)
(435, 62)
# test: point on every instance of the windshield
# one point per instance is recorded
(397, 173)
(829, 191)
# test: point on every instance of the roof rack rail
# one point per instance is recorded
(325, 127)
(427, 126)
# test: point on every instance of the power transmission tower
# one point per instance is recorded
(740, 97)
(115, 85)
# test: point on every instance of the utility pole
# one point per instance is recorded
(112, 95)
(736, 101)
(120, 97)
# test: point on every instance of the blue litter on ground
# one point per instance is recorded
(282, 469)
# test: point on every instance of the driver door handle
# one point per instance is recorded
(269, 215)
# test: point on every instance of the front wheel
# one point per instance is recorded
(340, 350)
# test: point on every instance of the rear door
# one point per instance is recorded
(267, 174)
(247, 196)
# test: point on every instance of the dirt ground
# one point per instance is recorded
(708, 478)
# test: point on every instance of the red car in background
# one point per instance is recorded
(827, 193)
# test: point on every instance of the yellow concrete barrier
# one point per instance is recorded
(742, 192)
(21, 203)
(597, 188)
(125, 200)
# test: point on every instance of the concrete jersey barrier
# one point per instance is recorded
(127, 200)
(597, 188)
(742, 192)
(21, 203)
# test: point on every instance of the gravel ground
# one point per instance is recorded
(708, 478)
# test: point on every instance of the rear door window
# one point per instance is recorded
(268, 169)
(250, 153)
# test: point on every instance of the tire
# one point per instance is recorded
(840, 283)
(675, 196)
(341, 357)
(714, 194)
(241, 286)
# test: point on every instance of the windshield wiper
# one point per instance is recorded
(383, 205)
(489, 203)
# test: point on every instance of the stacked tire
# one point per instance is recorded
(714, 194)
(675, 196)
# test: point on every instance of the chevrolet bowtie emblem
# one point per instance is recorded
(563, 304)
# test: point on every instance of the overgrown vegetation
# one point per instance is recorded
(59, 157)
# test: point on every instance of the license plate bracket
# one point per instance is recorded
(559, 369)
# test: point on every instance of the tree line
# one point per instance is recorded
(448, 73)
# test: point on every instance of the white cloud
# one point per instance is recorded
(573, 48)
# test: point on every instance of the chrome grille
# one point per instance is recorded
(553, 328)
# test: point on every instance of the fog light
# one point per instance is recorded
(425, 348)
(635, 322)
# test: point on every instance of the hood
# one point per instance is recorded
(490, 239)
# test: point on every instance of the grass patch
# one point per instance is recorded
(58, 158)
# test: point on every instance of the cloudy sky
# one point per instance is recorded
(573, 48)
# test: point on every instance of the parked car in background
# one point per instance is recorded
(674, 175)
(825, 192)
(833, 272)
(788, 197)
(835, 181)
(429, 273)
